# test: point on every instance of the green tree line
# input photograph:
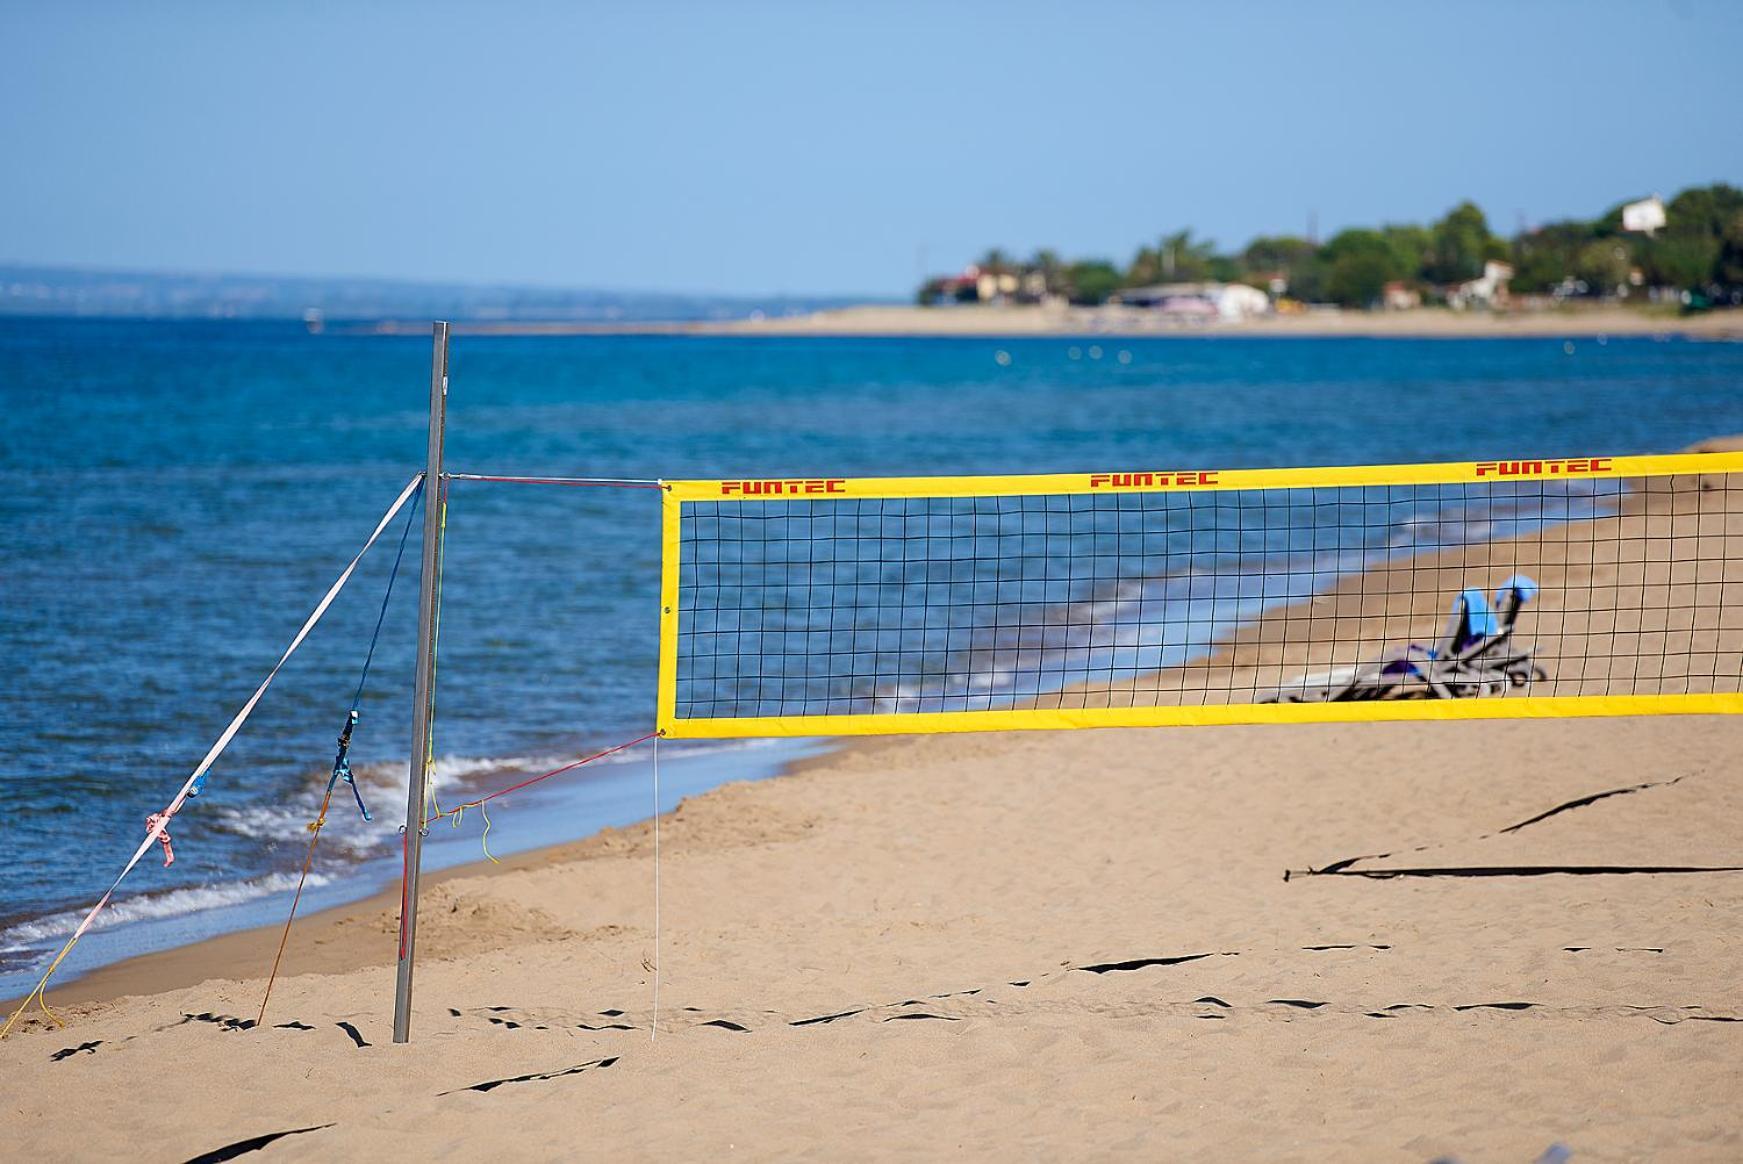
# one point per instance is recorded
(1699, 250)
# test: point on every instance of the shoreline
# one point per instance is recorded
(976, 321)
(328, 935)
(613, 796)
(1253, 652)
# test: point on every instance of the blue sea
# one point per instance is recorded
(174, 497)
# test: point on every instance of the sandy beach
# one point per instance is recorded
(1364, 941)
(991, 320)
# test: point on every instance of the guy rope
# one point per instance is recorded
(158, 823)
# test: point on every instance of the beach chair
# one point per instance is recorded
(1478, 656)
(1475, 657)
(1498, 652)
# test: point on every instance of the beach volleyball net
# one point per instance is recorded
(830, 606)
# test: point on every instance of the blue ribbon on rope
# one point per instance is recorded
(342, 764)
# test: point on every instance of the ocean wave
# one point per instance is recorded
(383, 785)
(391, 775)
(345, 835)
(343, 830)
(37, 932)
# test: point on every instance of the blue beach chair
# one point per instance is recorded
(1475, 657)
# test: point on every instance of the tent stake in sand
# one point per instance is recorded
(435, 512)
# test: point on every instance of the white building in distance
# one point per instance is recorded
(1226, 301)
(1644, 216)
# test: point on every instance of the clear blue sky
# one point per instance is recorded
(818, 147)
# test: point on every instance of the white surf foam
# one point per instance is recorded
(38, 932)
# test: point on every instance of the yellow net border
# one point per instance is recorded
(755, 491)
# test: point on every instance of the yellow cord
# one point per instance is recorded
(485, 812)
(435, 640)
(458, 814)
(38, 996)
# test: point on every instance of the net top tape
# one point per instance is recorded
(1140, 480)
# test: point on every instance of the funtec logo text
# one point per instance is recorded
(1563, 467)
(784, 487)
(1166, 480)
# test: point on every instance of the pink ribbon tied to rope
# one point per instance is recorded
(159, 821)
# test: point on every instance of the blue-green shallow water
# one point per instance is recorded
(174, 497)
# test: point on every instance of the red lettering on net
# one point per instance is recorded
(1557, 467)
(784, 487)
(1169, 479)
